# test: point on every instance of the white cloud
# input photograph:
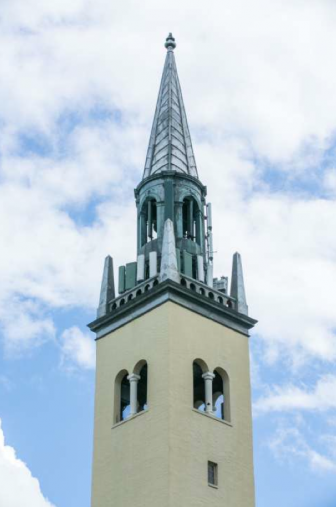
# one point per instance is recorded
(78, 349)
(253, 82)
(250, 94)
(18, 486)
(330, 180)
(24, 326)
(321, 397)
(290, 444)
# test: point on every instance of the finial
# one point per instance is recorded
(170, 42)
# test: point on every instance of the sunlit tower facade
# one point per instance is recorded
(173, 404)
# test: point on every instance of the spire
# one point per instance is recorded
(237, 284)
(170, 147)
(168, 260)
(107, 287)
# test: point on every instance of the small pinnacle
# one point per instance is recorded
(170, 42)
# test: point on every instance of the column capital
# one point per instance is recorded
(208, 375)
(133, 377)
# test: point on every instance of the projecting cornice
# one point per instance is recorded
(136, 303)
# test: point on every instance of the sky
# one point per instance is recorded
(78, 87)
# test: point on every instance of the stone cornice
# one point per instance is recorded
(176, 293)
(170, 174)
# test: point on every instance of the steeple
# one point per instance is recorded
(170, 147)
(174, 220)
(172, 398)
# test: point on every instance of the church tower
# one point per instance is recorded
(172, 406)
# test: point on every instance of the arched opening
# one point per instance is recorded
(121, 397)
(191, 220)
(221, 395)
(148, 221)
(141, 369)
(199, 367)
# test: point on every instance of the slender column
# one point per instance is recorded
(179, 220)
(169, 199)
(143, 231)
(191, 219)
(199, 223)
(150, 221)
(160, 218)
(133, 380)
(208, 378)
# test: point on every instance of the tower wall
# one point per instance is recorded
(159, 457)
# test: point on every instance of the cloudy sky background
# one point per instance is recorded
(78, 85)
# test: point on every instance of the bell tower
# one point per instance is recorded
(172, 406)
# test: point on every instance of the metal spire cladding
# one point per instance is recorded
(170, 147)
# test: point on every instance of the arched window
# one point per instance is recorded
(121, 397)
(199, 367)
(130, 392)
(148, 221)
(191, 220)
(221, 395)
(141, 370)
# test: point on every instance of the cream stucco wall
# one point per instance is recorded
(159, 458)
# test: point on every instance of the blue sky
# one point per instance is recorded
(78, 85)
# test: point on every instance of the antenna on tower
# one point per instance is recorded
(210, 250)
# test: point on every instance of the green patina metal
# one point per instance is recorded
(170, 188)
(171, 204)
(131, 272)
(187, 265)
(122, 276)
(169, 199)
(178, 258)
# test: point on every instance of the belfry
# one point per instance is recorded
(172, 405)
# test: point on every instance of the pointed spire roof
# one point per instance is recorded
(170, 147)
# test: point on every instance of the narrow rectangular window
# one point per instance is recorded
(212, 473)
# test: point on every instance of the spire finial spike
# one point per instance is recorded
(107, 287)
(170, 42)
(237, 285)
